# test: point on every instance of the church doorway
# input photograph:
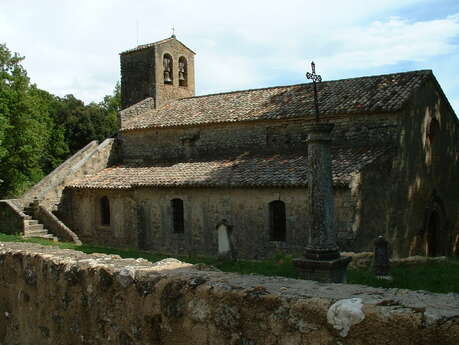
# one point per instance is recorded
(432, 235)
(435, 234)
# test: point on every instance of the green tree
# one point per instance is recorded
(83, 123)
(56, 149)
(38, 130)
(24, 129)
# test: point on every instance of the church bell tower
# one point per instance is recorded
(162, 70)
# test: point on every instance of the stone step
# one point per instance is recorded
(30, 221)
(28, 210)
(41, 234)
(50, 237)
(33, 227)
(36, 233)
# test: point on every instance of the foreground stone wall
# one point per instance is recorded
(53, 296)
(142, 218)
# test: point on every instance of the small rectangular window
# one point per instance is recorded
(104, 211)
(277, 220)
(177, 215)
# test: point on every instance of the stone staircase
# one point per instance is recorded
(32, 228)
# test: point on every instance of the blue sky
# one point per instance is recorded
(73, 46)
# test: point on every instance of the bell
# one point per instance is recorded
(167, 77)
(181, 76)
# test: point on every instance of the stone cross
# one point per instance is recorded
(322, 260)
(381, 258)
(315, 78)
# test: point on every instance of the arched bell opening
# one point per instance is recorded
(183, 72)
(167, 72)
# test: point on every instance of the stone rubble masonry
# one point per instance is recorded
(58, 228)
(142, 74)
(12, 219)
(220, 140)
(56, 296)
(90, 159)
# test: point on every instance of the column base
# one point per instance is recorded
(324, 271)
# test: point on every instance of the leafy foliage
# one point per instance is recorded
(38, 130)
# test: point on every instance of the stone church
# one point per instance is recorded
(225, 173)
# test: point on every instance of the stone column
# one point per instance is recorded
(322, 260)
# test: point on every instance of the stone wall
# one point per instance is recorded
(167, 92)
(12, 219)
(55, 226)
(90, 159)
(52, 296)
(425, 176)
(371, 191)
(137, 76)
(142, 218)
(142, 74)
(226, 139)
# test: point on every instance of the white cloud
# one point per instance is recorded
(72, 47)
(396, 40)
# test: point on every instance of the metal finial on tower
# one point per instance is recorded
(315, 78)
(173, 32)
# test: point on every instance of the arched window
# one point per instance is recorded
(104, 211)
(177, 215)
(167, 65)
(277, 226)
(183, 72)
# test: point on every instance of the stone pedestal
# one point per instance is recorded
(322, 260)
(324, 271)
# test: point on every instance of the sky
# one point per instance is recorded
(72, 47)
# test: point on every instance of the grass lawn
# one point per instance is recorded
(434, 276)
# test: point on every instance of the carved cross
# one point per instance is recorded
(315, 78)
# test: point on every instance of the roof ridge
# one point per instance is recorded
(149, 45)
(293, 85)
(358, 95)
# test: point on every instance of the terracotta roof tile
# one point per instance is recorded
(283, 170)
(382, 93)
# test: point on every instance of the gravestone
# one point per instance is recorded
(381, 258)
(224, 241)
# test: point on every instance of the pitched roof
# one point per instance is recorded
(278, 170)
(382, 93)
(148, 45)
